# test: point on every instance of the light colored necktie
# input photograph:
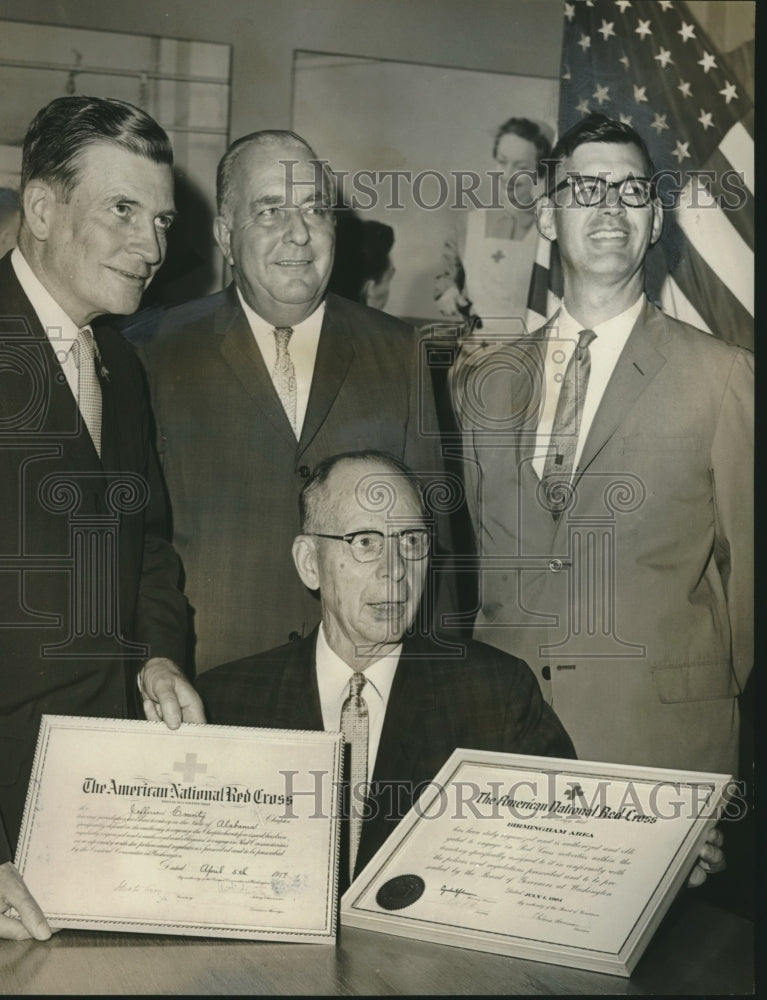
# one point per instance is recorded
(560, 458)
(284, 374)
(88, 387)
(354, 725)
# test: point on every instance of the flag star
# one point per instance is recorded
(607, 30)
(659, 123)
(666, 5)
(729, 93)
(687, 31)
(601, 94)
(569, 11)
(706, 120)
(583, 106)
(707, 62)
(684, 87)
(623, 4)
(643, 29)
(625, 60)
(585, 42)
(682, 151)
(625, 119)
(664, 57)
(639, 94)
(567, 74)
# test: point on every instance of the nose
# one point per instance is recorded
(391, 563)
(149, 243)
(613, 201)
(296, 229)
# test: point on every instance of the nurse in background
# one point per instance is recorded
(488, 259)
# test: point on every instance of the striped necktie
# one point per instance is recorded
(565, 431)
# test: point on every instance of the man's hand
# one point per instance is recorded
(167, 694)
(30, 922)
(451, 301)
(710, 860)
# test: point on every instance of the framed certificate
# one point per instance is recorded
(210, 830)
(568, 862)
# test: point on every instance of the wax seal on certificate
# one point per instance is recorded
(399, 892)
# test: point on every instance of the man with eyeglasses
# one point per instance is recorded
(364, 544)
(610, 468)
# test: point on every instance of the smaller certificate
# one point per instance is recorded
(219, 831)
(573, 863)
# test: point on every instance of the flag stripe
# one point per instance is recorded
(736, 202)
(738, 146)
(722, 313)
(676, 303)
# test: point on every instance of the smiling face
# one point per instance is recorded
(366, 607)
(603, 244)
(277, 233)
(97, 251)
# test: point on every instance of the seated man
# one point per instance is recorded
(364, 546)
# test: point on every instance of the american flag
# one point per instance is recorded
(650, 64)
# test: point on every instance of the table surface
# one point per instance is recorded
(698, 950)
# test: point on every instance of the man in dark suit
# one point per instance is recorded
(252, 386)
(89, 601)
(364, 546)
(616, 548)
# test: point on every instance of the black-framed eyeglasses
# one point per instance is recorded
(633, 192)
(368, 545)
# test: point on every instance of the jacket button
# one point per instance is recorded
(546, 672)
(294, 636)
(555, 565)
(304, 472)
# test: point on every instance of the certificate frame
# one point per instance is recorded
(217, 831)
(419, 883)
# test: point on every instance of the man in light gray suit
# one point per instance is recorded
(611, 467)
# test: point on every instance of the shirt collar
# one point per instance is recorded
(612, 334)
(59, 328)
(336, 673)
(312, 323)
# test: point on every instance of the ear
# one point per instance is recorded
(223, 235)
(367, 288)
(305, 559)
(39, 208)
(544, 218)
(657, 221)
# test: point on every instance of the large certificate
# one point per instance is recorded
(210, 830)
(568, 862)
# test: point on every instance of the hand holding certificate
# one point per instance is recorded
(131, 826)
(571, 863)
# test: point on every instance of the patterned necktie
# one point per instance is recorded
(560, 458)
(284, 374)
(88, 388)
(354, 725)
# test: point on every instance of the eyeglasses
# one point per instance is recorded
(633, 192)
(367, 546)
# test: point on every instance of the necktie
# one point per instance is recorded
(560, 458)
(88, 388)
(284, 374)
(354, 725)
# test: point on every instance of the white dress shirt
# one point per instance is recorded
(59, 328)
(302, 349)
(333, 676)
(605, 350)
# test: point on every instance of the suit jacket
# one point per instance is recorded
(234, 468)
(482, 700)
(59, 505)
(635, 607)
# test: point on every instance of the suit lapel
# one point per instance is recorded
(639, 363)
(334, 356)
(297, 702)
(239, 349)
